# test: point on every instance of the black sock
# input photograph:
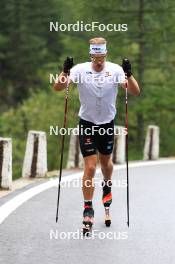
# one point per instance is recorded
(88, 209)
(87, 204)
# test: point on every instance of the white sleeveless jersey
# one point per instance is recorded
(97, 91)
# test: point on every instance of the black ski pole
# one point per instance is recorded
(126, 149)
(62, 149)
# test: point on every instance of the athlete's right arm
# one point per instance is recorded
(63, 79)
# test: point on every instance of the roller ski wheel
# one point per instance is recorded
(107, 218)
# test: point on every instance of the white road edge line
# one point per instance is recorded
(10, 206)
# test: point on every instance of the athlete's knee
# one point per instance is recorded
(107, 164)
(90, 170)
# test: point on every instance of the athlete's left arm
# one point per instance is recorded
(133, 86)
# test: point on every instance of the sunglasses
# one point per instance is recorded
(97, 59)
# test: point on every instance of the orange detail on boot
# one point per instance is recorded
(107, 198)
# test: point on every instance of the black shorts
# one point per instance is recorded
(92, 138)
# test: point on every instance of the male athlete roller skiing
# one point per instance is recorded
(97, 82)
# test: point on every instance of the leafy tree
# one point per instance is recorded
(26, 47)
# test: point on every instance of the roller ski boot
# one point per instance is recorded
(88, 219)
(107, 217)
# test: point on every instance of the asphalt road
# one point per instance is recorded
(30, 234)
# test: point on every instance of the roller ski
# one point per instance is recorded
(88, 219)
(107, 200)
